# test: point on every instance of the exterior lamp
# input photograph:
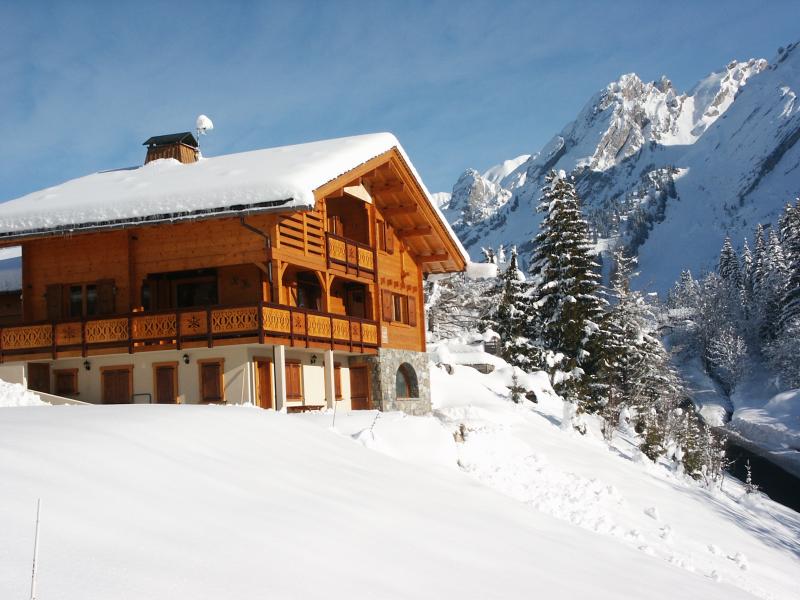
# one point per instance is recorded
(313, 359)
(185, 359)
(87, 365)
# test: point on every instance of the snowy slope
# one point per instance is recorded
(234, 502)
(670, 173)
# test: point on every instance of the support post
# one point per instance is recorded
(330, 383)
(279, 363)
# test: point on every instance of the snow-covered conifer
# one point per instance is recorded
(567, 294)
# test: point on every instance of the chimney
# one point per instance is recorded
(180, 146)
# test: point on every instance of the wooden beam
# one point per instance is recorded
(405, 233)
(261, 266)
(388, 187)
(429, 258)
(400, 210)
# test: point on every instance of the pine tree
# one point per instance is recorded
(568, 303)
(728, 267)
(747, 287)
(773, 288)
(790, 236)
(510, 319)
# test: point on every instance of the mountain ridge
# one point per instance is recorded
(667, 174)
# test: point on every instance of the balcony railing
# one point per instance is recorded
(160, 330)
(353, 256)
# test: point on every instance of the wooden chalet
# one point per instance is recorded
(290, 278)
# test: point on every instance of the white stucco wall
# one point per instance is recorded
(238, 378)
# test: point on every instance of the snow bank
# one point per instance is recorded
(13, 394)
(202, 502)
(481, 270)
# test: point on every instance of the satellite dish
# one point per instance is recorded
(203, 125)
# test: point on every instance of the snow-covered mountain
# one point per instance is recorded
(668, 174)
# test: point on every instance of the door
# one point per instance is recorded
(116, 384)
(263, 383)
(359, 388)
(39, 377)
(166, 383)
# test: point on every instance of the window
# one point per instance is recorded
(212, 388)
(294, 380)
(399, 308)
(406, 382)
(180, 289)
(66, 381)
(76, 300)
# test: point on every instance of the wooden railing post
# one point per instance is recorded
(130, 334)
(178, 341)
(260, 320)
(209, 334)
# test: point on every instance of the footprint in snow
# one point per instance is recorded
(714, 549)
(652, 512)
(740, 560)
(665, 533)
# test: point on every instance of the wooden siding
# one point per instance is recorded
(371, 230)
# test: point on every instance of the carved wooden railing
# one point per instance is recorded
(154, 330)
(354, 256)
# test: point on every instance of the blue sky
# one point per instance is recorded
(462, 84)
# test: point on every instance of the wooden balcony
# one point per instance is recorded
(351, 256)
(188, 328)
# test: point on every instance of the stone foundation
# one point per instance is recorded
(383, 373)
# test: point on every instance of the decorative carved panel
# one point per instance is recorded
(68, 334)
(194, 323)
(341, 329)
(34, 336)
(369, 333)
(365, 259)
(231, 320)
(319, 326)
(276, 320)
(336, 250)
(355, 331)
(154, 327)
(107, 330)
(299, 323)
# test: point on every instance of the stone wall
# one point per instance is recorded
(383, 372)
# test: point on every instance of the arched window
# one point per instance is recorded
(406, 382)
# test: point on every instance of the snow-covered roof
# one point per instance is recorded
(272, 179)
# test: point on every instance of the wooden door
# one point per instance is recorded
(263, 383)
(39, 377)
(116, 384)
(359, 388)
(166, 383)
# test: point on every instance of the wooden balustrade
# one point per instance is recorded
(352, 255)
(154, 331)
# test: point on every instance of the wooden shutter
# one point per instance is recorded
(53, 295)
(165, 384)
(66, 381)
(294, 384)
(412, 311)
(387, 234)
(337, 380)
(211, 382)
(105, 297)
(387, 305)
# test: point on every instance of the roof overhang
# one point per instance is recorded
(397, 191)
